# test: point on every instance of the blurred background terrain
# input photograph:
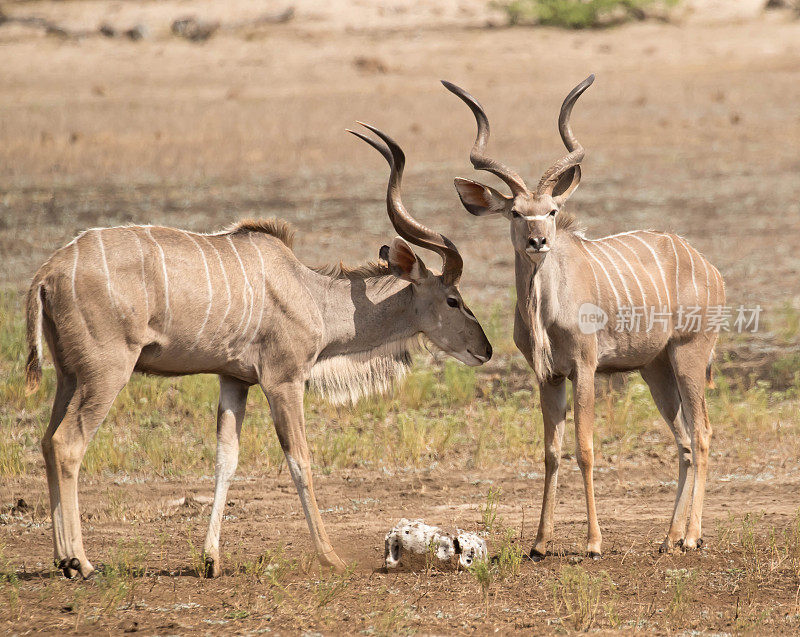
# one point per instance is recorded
(196, 113)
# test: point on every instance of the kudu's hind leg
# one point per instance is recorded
(64, 446)
(689, 364)
(664, 388)
(286, 404)
(230, 414)
(553, 399)
(65, 389)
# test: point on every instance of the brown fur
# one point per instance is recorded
(285, 231)
(236, 303)
(33, 367)
(278, 228)
(553, 287)
(566, 221)
(340, 270)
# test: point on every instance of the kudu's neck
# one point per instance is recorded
(362, 314)
(539, 285)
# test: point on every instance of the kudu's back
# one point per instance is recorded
(191, 302)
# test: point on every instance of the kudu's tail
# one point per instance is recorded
(33, 312)
(710, 384)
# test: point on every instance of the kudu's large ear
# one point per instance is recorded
(567, 182)
(478, 199)
(403, 261)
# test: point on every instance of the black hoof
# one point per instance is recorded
(208, 568)
(536, 556)
(662, 549)
(75, 564)
(594, 555)
(66, 568)
(679, 543)
(699, 542)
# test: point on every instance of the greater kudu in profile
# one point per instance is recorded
(568, 285)
(239, 304)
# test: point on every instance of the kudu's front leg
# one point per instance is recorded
(553, 398)
(286, 404)
(230, 414)
(583, 395)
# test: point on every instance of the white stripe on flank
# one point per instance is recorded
(602, 267)
(227, 285)
(658, 263)
(245, 289)
(633, 272)
(105, 270)
(614, 236)
(263, 292)
(719, 280)
(708, 281)
(691, 260)
(677, 271)
(208, 287)
(167, 317)
(599, 246)
(645, 268)
(596, 282)
(144, 276)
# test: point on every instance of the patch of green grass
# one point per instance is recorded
(389, 616)
(484, 574)
(578, 596)
(260, 583)
(489, 511)
(509, 557)
(330, 587)
(442, 413)
(117, 580)
(679, 590)
(9, 585)
(624, 415)
(577, 14)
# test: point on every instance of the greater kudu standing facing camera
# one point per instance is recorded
(567, 288)
(239, 304)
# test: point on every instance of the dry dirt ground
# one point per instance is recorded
(722, 593)
(691, 127)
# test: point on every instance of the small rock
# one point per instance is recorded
(370, 65)
(139, 32)
(193, 29)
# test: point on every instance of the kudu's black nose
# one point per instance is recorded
(537, 242)
(488, 351)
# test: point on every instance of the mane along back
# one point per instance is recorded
(285, 231)
(341, 271)
(566, 221)
(278, 228)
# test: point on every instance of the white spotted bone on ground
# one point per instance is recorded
(416, 537)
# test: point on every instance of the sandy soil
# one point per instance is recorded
(691, 127)
(360, 507)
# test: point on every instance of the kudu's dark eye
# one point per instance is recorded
(515, 214)
(553, 212)
(452, 301)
